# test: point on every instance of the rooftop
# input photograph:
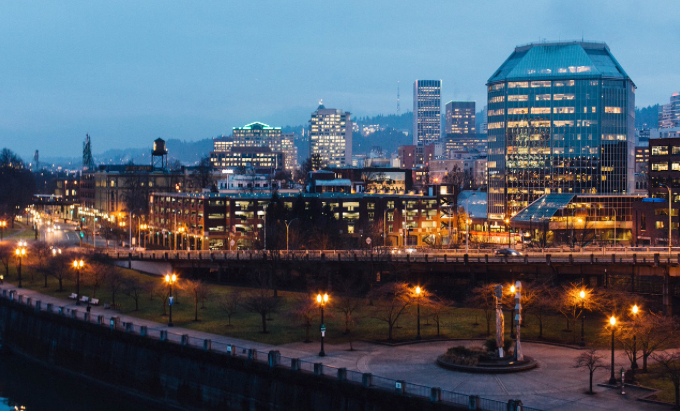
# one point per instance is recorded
(568, 59)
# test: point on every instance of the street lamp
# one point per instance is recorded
(612, 323)
(418, 293)
(582, 295)
(3, 224)
(322, 300)
(512, 318)
(635, 311)
(288, 223)
(78, 265)
(507, 229)
(170, 280)
(20, 252)
(670, 219)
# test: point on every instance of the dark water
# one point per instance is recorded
(24, 383)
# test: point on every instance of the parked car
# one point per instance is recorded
(508, 252)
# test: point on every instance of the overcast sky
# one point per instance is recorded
(128, 72)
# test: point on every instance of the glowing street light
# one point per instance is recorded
(3, 224)
(635, 311)
(322, 300)
(78, 265)
(170, 280)
(582, 295)
(20, 253)
(612, 377)
(418, 291)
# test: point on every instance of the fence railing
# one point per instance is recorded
(273, 358)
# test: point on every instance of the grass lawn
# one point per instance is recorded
(652, 379)
(460, 323)
(28, 234)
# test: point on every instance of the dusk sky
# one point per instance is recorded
(128, 72)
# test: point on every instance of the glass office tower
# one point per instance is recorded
(427, 108)
(560, 120)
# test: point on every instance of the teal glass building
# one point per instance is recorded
(560, 120)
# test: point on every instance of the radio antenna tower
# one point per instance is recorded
(398, 105)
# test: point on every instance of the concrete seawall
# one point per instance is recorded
(184, 376)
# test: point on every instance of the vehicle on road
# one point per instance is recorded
(508, 252)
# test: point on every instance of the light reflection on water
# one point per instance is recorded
(26, 385)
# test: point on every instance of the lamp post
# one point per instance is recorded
(467, 233)
(78, 265)
(582, 295)
(170, 280)
(20, 252)
(418, 293)
(322, 300)
(612, 323)
(635, 311)
(507, 229)
(512, 317)
(3, 224)
(670, 216)
(288, 223)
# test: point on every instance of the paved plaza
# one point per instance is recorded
(554, 385)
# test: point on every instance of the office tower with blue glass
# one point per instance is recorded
(560, 120)
(427, 108)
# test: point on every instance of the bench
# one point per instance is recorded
(94, 301)
(73, 296)
(84, 299)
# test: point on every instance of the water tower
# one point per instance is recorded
(159, 155)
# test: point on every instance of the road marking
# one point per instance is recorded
(505, 390)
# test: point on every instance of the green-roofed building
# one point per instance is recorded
(561, 121)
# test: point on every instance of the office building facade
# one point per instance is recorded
(669, 114)
(330, 137)
(460, 117)
(426, 111)
(560, 120)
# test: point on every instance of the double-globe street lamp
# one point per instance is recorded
(612, 324)
(322, 300)
(20, 253)
(170, 280)
(78, 265)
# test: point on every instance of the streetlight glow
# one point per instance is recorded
(582, 294)
(418, 290)
(512, 289)
(635, 309)
(612, 320)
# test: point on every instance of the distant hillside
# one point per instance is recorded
(647, 117)
(187, 152)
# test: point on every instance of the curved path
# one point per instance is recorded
(554, 385)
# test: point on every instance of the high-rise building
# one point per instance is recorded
(256, 136)
(460, 117)
(560, 120)
(427, 109)
(330, 136)
(669, 114)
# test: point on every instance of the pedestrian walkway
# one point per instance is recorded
(554, 385)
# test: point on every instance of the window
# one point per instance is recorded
(675, 166)
(519, 110)
(659, 150)
(612, 110)
(520, 97)
(518, 84)
(643, 222)
(676, 150)
(559, 97)
(563, 110)
(659, 224)
(540, 110)
(659, 166)
(535, 84)
(543, 97)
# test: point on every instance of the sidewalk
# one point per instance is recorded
(554, 385)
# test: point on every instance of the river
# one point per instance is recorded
(26, 384)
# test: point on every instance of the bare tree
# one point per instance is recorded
(438, 307)
(113, 282)
(390, 301)
(670, 370)
(40, 252)
(543, 304)
(346, 302)
(6, 254)
(231, 304)
(260, 301)
(572, 305)
(60, 268)
(591, 360)
(134, 289)
(652, 332)
(306, 310)
(198, 290)
(162, 291)
(483, 298)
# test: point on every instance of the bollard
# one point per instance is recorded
(115, 322)
(86, 317)
(184, 340)
(592, 258)
(50, 307)
(466, 259)
(61, 310)
(613, 258)
(74, 313)
(231, 350)
(435, 394)
(342, 374)
(28, 301)
(295, 364)
(207, 345)
(274, 358)
(4, 293)
(164, 335)
(129, 327)
(143, 331)
(367, 379)
(318, 369)
(547, 259)
(252, 354)
(400, 387)
(511, 406)
(38, 305)
(100, 320)
(20, 298)
(474, 402)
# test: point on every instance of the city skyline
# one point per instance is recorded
(131, 73)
